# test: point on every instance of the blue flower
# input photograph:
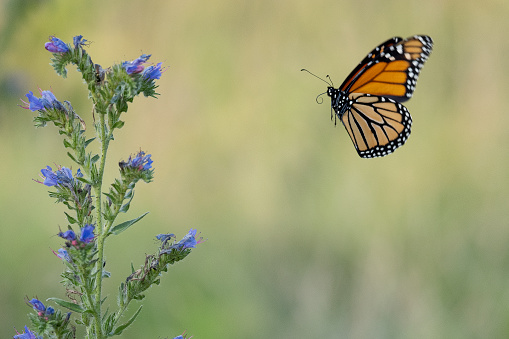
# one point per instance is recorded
(56, 45)
(64, 255)
(37, 305)
(67, 235)
(136, 66)
(47, 101)
(26, 335)
(140, 162)
(153, 72)
(87, 233)
(63, 175)
(188, 241)
(79, 41)
(182, 336)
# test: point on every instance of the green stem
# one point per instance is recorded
(101, 233)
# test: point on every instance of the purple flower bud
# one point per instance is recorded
(136, 66)
(56, 45)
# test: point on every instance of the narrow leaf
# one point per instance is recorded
(126, 224)
(70, 219)
(71, 306)
(89, 141)
(121, 328)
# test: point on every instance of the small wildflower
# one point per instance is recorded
(63, 254)
(67, 235)
(26, 335)
(79, 41)
(56, 45)
(136, 66)
(47, 101)
(189, 240)
(37, 305)
(153, 72)
(87, 233)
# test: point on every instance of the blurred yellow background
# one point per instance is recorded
(305, 239)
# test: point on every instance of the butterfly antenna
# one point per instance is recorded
(328, 77)
(316, 76)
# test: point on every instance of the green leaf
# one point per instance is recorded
(124, 208)
(71, 306)
(119, 124)
(95, 158)
(83, 180)
(89, 141)
(72, 157)
(121, 328)
(125, 225)
(70, 219)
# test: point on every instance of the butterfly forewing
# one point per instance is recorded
(374, 54)
(376, 125)
(391, 69)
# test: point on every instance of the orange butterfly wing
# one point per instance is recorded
(391, 69)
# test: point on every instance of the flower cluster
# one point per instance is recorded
(89, 207)
(86, 237)
(42, 311)
(46, 101)
(140, 162)
(62, 176)
(168, 254)
(188, 241)
(137, 66)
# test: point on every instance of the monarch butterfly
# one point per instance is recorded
(368, 103)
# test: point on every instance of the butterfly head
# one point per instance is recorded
(332, 92)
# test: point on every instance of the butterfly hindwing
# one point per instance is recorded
(377, 125)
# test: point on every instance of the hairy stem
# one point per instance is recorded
(101, 232)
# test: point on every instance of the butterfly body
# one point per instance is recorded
(368, 103)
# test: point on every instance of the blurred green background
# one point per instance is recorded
(305, 239)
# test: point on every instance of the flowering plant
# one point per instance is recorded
(91, 210)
